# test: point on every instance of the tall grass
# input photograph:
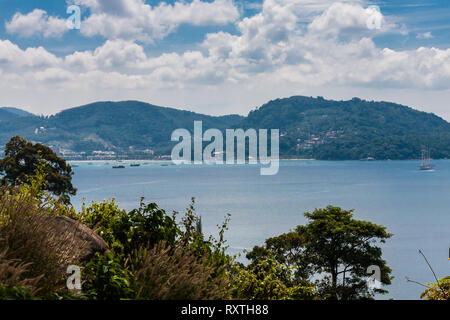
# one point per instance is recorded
(29, 242)
(12, 274)
(175, 273)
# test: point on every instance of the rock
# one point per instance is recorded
(84, 241)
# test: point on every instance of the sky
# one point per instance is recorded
(223, 56)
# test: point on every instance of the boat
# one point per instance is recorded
(367, 159)
(135, 165)
(426, 164)
(119, 167)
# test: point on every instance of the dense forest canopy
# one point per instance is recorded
(310, 127)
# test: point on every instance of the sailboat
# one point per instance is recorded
(426, 164)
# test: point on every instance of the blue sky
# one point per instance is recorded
(420, 16)
(224, 56)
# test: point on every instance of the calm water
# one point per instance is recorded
(413, 205)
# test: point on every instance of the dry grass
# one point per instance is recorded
(11, 274)
(165, 273)
(29, 242)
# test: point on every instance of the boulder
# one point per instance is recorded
(85, 242)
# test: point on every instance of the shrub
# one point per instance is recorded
(106, 279)
(128, 231)
(15, 293)
(12, 281)
(29, 239)
(265, 279)
(175, 273)
(437, 291)
(211, 249)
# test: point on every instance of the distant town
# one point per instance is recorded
(132, 154)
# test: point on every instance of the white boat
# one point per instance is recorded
(426, 164)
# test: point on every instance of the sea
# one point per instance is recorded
(414, 205)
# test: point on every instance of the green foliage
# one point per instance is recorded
(361, 128)
(120, 124)
(125, 231)
(287, 249)
(266, 279)
(186, 266)
(437, 291)
(333, 247)
(22, 159)
(191, 236)
(105, 278)
(15, 293)
(153, 256)
(365, 128)
(27, 237)
(344, 248)
(176, 273)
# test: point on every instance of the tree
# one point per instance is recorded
(22, 159)
(335, 248)
(287, 249)
(267, 279)
(437, 291)
(343, 248)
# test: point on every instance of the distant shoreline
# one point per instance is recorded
(282, 159)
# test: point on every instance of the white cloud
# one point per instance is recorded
(36, 22)
(341, 17)
(15, 60)
(274, 53)
(136, 20)
(127, 19)
(424, 35)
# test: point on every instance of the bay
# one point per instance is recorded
(414, 205)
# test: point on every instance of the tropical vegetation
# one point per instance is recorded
(154, 255)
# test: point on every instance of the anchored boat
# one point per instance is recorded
(426, 164)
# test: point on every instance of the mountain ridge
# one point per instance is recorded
(309, 127)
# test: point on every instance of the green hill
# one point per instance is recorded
(116, 126)
(354, 129)
(7, 113)
(309, 127)
(16, 112)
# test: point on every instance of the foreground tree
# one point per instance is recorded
(335, 248)
(22, 159)
(437, 291)
(344, 248)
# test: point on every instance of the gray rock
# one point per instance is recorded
(84, 241)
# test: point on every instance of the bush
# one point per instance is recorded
(15, 293)
(265, 279)
(106, 279)
(151, 257)
(437, 291)
(29, 240)
(127, 231)
(12, 281)
(175, 273)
